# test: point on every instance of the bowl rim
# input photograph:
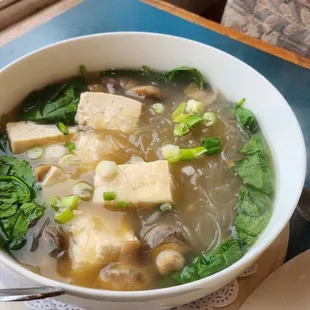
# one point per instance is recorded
(157, 294)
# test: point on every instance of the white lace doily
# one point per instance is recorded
(221, 298)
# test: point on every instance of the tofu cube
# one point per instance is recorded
(25, 135)
(139, 184)
(103, 111)
(94, 245)
(49, 175)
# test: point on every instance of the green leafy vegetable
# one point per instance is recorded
(143, 72)
(257, 143)
(184, 74)
(254, 213)
(209, 263)
(212, 145)
(4, 145)
(17, 207)
(256, 171)
(55, 103)
(246, 118)
(189, 122)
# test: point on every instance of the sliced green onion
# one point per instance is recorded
(181, 129)
(194, 106)
(55, 203)
(68, 160)
(35, 152)
(158, 108)
(180, 118)
(193, 153)
(107, 196)
(83, 190)
(190, 122)
(122, 204)
(171, 153)
(70, 202)
(210, 118)
(212, 145)
(64, 216)
(167, 206)
(106, 169)
(179, 110)
(63, 128)
(70, 146)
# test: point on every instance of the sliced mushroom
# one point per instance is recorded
(163, 234)
(169, 260)
(97, 88)
(123, 277)
(59, 239)
(205, 96)
(148, 91)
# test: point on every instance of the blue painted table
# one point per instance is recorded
(95, 16)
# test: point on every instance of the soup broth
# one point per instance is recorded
(128, 245)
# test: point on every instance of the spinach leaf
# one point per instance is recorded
(209, 263)
(184, 74)
(255, 144)
(4, 145)
(256, 171)
(54, 103)
(254, 213)
(17, 207)
(246, 118)
(19, 168)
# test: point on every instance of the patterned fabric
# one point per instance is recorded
(285, 23)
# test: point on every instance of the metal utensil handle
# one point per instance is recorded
(31, 293)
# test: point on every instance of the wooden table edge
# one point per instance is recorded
(231, 33)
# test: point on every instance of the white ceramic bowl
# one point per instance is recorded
(234, 78)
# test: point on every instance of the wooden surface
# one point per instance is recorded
(31, 22)
(270, 261)
(236, 35)
(285, 289)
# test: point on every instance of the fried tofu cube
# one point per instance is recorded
(25, 135)
(102, 111)
(140, 184)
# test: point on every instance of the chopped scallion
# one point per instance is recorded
(106, 169)
(70, 202)
(179, 110)
(83, 190)
(70, 146)
(64, 216)
(158, 108)
(167, 206)
(171, 153)
(212, 145)
(193, 153)
(210, 118)
(180, 118)
(63, 128)
(35, 152)
(190, 122)
(55, 203)
(107, 196)
(122, 204)
(194, 106)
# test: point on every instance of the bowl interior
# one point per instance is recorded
(234, 78)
